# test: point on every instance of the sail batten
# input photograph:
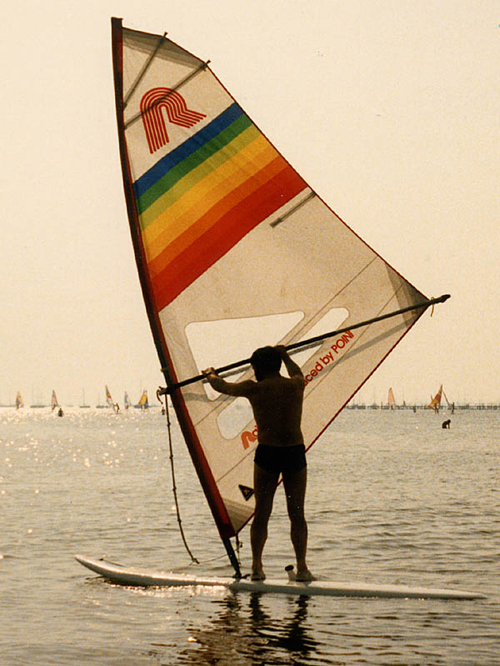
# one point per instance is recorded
(234, 251)
(143, 71)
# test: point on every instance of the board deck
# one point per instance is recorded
(123, 575)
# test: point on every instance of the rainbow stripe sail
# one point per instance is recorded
(217, 185)
(235, 251)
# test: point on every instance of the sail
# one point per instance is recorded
(126, 400)
(19, 401)
(53, 401)
(109, 399)
(391, 400)
(435, 402)
(235, 251)
(143, 401)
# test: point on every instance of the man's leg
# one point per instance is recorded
(295, 490)
(265, 484)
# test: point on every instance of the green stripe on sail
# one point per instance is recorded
(203, 153)
(192, 176)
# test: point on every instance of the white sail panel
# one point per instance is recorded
(362, 285)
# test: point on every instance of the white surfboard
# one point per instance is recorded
(123, 575)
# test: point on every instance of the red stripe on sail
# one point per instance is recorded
(230, 229)
(224, 205)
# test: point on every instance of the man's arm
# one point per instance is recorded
(292, 368)
(235, 388)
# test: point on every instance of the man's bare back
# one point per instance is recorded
(276, 403)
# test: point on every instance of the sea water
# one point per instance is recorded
(392, 498)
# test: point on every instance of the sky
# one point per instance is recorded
(388, 109)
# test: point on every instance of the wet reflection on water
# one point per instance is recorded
(293, 634)
(244, 632)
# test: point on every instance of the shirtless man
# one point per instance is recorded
(277, 406)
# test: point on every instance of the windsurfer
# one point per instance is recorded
(277, 406)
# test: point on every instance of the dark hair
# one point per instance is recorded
(265, 361)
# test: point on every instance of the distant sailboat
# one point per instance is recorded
(84, 404)
(435, 403)
(109, 399)
(19, 401)
(53, 402)
(391, 400)
(126, 400)
(143, 402)
(37, 403)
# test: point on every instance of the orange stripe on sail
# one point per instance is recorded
(214, 214)
(175, 211)
(230, 229)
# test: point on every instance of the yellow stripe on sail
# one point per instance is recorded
(228, 153)
(206, 222)
(205, 194)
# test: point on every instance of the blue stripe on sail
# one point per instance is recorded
(192, 144)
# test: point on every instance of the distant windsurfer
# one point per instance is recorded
(277, 406)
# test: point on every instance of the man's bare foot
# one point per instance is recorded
(304, 576)
(258, 574)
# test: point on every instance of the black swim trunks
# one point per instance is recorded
(280, 459)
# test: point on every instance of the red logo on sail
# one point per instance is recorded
(248, 438)
(154, 105)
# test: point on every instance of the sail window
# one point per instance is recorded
(235, 418)
(254, 332)
(331, 321)
(218, 343)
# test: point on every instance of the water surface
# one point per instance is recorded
(392, 498)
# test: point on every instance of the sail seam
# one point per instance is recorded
(356, 344)
(303, 327)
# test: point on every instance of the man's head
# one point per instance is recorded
(265, 361)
